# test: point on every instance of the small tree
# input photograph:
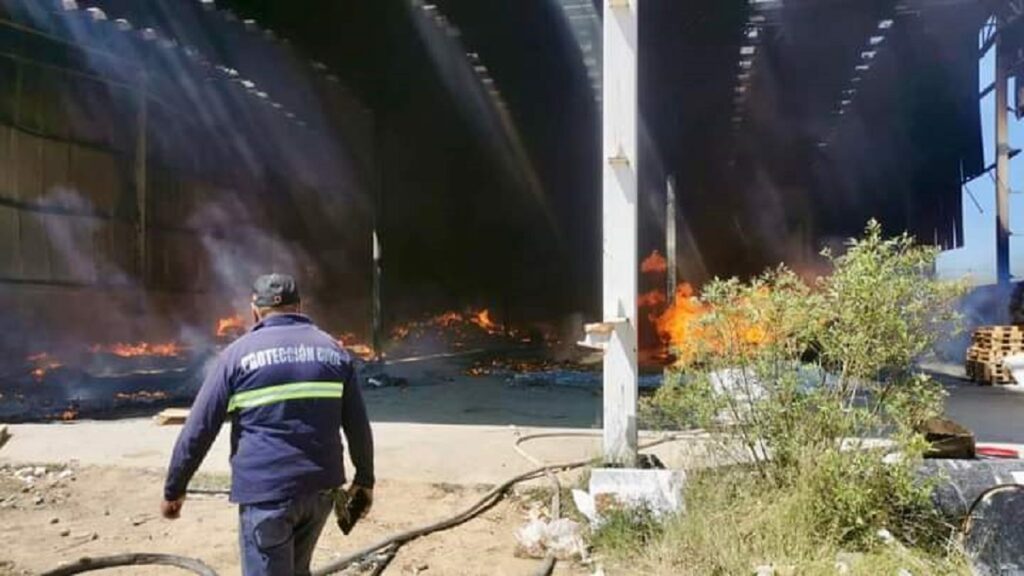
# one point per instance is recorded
(807, 379)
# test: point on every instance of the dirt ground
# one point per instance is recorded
(96, 510)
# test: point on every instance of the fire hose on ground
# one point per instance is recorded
(385, 549)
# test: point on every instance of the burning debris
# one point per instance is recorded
(459, 322)
(483, 320)
(230, 327)
(349, 342)
(70, 413)
(142, 396)
(42, 364)
(123, 350)
(103, 379)
(452, 330)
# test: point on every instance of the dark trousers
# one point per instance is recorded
(278, 538)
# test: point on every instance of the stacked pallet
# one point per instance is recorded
(989, 345)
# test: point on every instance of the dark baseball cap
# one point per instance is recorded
(272, 290)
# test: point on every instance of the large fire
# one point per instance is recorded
(682, 328)
(230, 326)
(126, 350)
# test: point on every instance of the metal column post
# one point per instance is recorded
(670, 239)
(377, 327)
(141, 181)
(620, 229)
(1002, 168)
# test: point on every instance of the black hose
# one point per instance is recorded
(488, 500)
(968, 521)
(384, 561)
(547, 567)
(387, 547)
(120, 560)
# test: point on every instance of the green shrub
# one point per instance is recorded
(815, 383)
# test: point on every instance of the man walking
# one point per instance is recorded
(287, 387)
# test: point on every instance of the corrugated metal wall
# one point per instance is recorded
(72, 246)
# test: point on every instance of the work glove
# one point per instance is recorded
(351, 505)
(366, 495)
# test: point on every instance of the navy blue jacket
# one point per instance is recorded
(288, 388)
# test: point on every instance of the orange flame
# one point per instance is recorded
(448, 319)
(43, 363)
(349, 342)
(483, 320)
(680, 326)
(230, 325)
(654, 264)
(125, 350)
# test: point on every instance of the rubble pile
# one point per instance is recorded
(23, 487)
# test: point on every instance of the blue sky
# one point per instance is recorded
(977, 258)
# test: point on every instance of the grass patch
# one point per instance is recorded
(732, 526)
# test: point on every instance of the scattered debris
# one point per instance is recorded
(386, 381)
(64, 533)
(885, 536)
(561, 538)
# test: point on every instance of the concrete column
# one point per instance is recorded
(1002, 168)
(619, 160)
(377, 323)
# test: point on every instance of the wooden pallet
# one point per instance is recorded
(988, 372)
(989, 346)
(1002, 349)
(991, 356)
(1000, 331)
(987, 338)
